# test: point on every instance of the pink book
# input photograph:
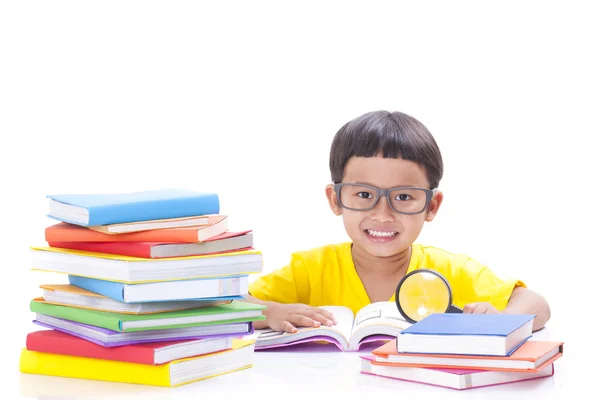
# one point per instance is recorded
(459, 379)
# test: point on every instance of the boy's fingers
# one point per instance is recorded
(287, 327)
(468, 308)
(324, 313)
(318, 317)
(302, 320)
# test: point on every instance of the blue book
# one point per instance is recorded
(220, 288)
(467, 334)
(116, 208)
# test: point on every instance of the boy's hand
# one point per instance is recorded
(285, 317)
(480, 308)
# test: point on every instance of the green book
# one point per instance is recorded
(234, 312)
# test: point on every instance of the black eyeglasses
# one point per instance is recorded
(360, 197)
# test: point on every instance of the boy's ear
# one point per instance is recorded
(332, 199)
(434, 205)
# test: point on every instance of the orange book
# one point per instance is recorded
(65, 232)
(532, 356)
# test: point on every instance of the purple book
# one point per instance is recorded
(108, 338)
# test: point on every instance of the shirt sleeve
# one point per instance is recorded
(288, 285)
(477, 283)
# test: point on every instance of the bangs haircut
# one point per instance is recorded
(391, 134)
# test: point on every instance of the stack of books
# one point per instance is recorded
(465, 351)
(156, 283)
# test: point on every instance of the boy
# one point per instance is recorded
(369, 155)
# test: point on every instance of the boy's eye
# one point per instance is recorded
(364, 195)
(403, 197)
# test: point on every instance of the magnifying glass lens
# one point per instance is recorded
(422, 294)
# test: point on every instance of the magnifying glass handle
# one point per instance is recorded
(454, 310)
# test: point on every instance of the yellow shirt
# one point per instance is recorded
(327, 276)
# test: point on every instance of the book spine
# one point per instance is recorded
(113, 290)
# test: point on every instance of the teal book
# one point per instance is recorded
(116, 208)
(234, 312)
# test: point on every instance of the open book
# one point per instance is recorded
(377, 321)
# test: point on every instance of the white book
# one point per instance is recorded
(373, 322)
(168, 223)
(137, 270)
(70, 295)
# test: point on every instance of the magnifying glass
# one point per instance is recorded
(423, 292)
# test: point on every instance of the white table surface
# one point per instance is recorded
(292, 372)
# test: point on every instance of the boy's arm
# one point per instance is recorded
(522, 301)
(480, 291)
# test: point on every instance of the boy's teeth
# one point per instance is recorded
(380, 234)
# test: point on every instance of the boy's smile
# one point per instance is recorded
(382, 231)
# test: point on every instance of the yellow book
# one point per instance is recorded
(175, 373)
(119, 257)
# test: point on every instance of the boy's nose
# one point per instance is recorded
(382, 211)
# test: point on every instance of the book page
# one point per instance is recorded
(379, 314)
(345, 320)
(343, 315)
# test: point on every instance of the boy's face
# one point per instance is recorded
(381, 231)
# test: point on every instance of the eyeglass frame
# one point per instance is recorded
(337, 187)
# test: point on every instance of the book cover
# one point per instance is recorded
(51, 341)
(522, 360)
(169, 374)
(145, 249)
(468, 324)
(114, 208)
(109, 338)
(468, 334)
(218, 288)
(118, 322)
(65, 232)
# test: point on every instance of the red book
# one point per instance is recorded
(50, 341)
(223, 243)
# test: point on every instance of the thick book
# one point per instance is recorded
(139, 270)
(109, 338)
(73, 296)
(468, 334)
(114, 208)
(459, 379)
(55, 342)
(223, 243)
(225, 287)
(237, 311)
(205, 221)
(64, 232)
(374, 322)
(174, 373)
(532, 356)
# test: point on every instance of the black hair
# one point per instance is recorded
(392, 134)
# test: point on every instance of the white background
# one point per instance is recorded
(243, 98)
